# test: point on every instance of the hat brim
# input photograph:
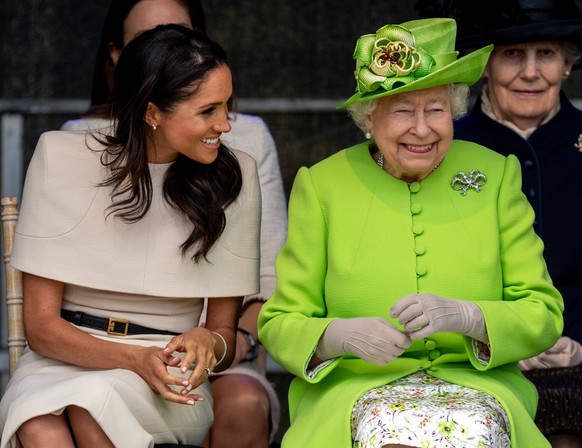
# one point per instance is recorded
(531, 32)
(467, 69)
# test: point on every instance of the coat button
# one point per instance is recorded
(425, 364)
(417, 229)
(415, 209)
(430, 345)
(531, 193)
(414, 187)
(434, 354)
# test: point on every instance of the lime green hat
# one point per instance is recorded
(411, 56)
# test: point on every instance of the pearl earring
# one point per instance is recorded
(566, 74)
(154, 127)
(368, 135)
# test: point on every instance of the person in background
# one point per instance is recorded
(419, 283)
(523, 110)
(247, 409)
(120, 238)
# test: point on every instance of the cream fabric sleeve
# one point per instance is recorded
(64, 233)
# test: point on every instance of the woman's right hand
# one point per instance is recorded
(151, 363)
(372, 339)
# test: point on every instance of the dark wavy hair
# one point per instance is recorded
(166, 66)
(112, 32)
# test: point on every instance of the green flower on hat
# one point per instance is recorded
(394, 58)
(389, 59)
(415, 55)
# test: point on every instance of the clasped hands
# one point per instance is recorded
(377, 341)
(152, 363)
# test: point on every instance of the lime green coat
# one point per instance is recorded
(359, 240)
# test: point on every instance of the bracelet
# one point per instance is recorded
(253, 352)
(225, 347)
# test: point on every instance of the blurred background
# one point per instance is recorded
(292, 64)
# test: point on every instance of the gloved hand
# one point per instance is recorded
(372, 339)
(425, 314)
(566, 352)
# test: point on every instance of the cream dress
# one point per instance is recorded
(129, 271)
(250, 134)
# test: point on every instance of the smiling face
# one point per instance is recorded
(193, 128)
(413, 131)
(524, 81)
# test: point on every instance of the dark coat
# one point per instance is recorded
(552, 181)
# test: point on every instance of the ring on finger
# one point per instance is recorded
(208, 370)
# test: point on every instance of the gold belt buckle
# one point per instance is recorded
(111, 326)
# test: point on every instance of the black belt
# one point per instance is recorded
(112, 325)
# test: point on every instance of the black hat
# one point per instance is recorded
(507, 21)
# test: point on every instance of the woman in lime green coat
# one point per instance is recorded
(411, 281)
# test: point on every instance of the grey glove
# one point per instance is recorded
(372, 339)
(566, 352)
(425, 314)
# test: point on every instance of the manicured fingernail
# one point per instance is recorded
(200, 399)
(183, 369)
(190, 402)
(185, 383)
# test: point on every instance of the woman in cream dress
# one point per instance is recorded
(246, 403)
(119, 239)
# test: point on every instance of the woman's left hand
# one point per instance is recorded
(566, 352)
(198, 346)
(152, 365)
(425, 314)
